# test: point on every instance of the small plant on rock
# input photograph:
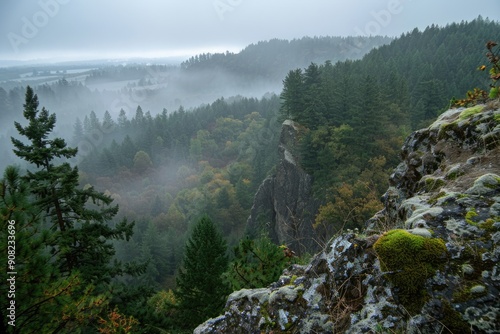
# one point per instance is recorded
(477, 95)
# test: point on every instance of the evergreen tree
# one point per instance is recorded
(78, 131)
(139, 117)
(87, 129)
(292, 95)
(200, 290)
(95, 124)
(107, 122)
(123, 121)
(45, 301)
(257, 263)
(78, 217)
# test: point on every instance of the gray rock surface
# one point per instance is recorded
(284, 205)
(344, 288)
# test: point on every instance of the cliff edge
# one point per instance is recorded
(426, 263)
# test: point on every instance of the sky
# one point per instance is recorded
(60, 30)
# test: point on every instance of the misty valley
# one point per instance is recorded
(147, 191)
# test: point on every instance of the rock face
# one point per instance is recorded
(427, 263)
(284, 205)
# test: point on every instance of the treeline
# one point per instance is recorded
(356, 113)
(274, 58)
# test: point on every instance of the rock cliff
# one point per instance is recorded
(427, 263)
(284, 205)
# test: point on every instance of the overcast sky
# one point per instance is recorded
(97, 29)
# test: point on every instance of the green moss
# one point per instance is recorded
(494, 184)
(488, 224)
(462, 295)
(470, 112)
(380, 329)
(478, 290)
(447, 127)
(467, 269)
(497, 117)
(453, 321)
(434, 199)
(469, 290)
(432, 184)
(454, 174)
(472, 255)
(469, 217)
(410, 260)
(268, 323)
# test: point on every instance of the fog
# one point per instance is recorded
(72, 94)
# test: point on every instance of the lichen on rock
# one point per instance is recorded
(447, 282)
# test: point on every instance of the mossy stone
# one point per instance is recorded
(469, 112)
(410, 260)
(469, 217)
(432, 184)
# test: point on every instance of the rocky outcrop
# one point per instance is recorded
(427, 263)
(284, 205)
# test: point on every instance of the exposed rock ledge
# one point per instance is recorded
(448, 185)
(284, 205)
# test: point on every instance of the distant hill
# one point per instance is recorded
(272, 59)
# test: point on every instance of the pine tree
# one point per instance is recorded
(123, 122)
(292, 95)
(257, 263)
(78, 217)
(45, 301)
(200, 288)
(78, 131)
(107, 122)
(95, 124)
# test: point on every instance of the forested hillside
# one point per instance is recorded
(171, 169)
(356, 113)
(271, 60)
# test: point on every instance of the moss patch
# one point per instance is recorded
(410, 260)
(470, 112)
(453, 321)
(488, 224)
(497, 118)
(434, 199)
(448, 129)
(432, 184)
(469, 217)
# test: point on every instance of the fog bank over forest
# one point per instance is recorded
(75, 89)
